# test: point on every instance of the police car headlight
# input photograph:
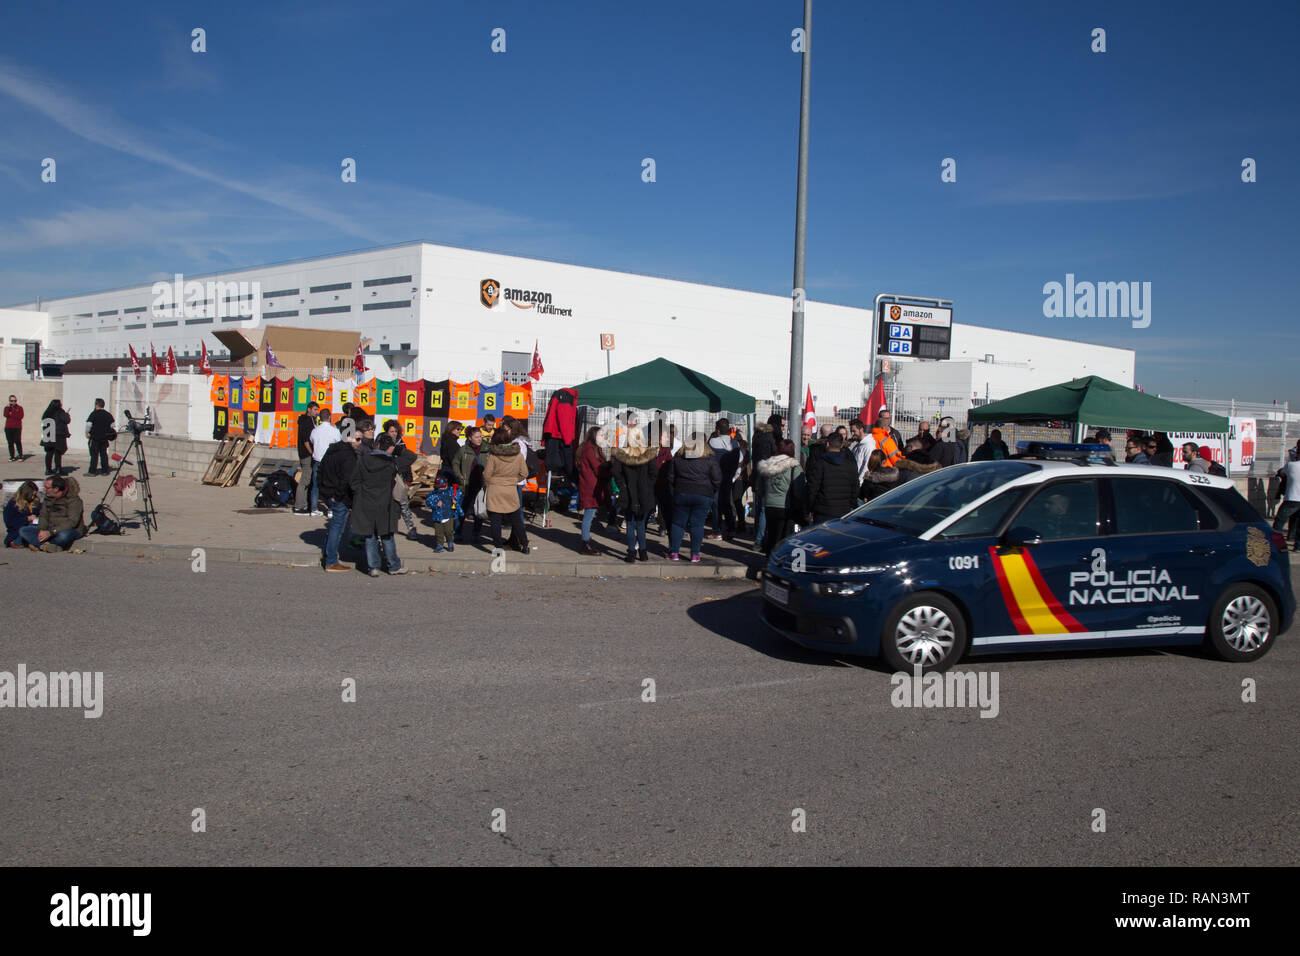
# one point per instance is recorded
(840, 588)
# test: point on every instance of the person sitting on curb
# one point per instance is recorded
(22, 510)
(61, 521)
(374, 509)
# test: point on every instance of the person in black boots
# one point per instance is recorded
(54, 436)
(634, 470)
(100, 431)
(501, 476)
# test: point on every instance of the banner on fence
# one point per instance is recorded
(268, 409)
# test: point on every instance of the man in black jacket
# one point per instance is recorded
(335, 485)
(374, 510)
(306, 422)
(832, 481)
(99, 429)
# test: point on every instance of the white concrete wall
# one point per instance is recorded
(739, 337)
(17, 327)
(96, 325)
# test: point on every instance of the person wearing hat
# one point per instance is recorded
(694, 479)
(633, 469)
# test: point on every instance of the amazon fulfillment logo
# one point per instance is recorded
(490, 292)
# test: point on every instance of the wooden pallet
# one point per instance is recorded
(269, 466)
(228, 461)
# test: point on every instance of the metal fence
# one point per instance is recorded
(1276, 428)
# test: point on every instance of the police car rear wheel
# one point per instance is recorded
(1243, 624)
(925, 630)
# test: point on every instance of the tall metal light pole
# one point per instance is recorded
(800, 228)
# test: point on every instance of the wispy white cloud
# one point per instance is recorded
(101, 127)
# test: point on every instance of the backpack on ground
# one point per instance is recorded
(103, 521)
(277, 491)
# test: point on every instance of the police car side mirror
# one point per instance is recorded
(1021, 537)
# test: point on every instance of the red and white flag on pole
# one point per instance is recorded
(204, 365)
(809, 417)
(156, 362)
(536, 371)
(358, 363)
(135, 362)
(171, 361)
(875, 402)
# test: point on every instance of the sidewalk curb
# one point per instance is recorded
(656, 567)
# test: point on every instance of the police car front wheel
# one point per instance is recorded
(1243, 624)
(925, 630)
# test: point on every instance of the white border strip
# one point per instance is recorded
(1085, 636)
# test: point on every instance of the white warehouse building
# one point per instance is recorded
(438, 312)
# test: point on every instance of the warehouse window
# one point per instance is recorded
(371, 306)
(232, 318)
(165, 325)
(197, 322)
(331, 288)
(113, 312)
(142, 325)
(237, 298)
(85, 315)
(280, 315)
(330, 310)
(406, 346)
(139, 308)
(393, 280)
(279, 292)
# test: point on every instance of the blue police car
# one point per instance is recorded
(1029, 556)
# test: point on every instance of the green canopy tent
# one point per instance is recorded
(665, 385)
(1101, 403)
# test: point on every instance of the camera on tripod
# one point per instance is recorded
(138, 426)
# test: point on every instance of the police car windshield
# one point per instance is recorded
(923, 502)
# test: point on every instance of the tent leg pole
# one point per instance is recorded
(546, 502)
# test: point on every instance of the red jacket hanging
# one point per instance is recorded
(562, 416)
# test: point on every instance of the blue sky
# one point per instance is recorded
(1115, 166)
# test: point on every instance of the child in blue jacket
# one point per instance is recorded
(444, 508)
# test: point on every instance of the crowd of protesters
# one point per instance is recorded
(361, 481)
(696, 487)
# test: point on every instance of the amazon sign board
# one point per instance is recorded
(491, 293)
(914, 331)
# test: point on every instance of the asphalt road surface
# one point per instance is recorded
(224, 691)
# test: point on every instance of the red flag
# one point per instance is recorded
(158, 367)
(358, 363)
(135, 361)
(204, 365)
(537, 370)
(809, 417)
(171, 361)
(875, 402)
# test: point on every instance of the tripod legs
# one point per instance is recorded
(149, 516)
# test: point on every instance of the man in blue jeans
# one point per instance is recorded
(334, 475)
(62, 517)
